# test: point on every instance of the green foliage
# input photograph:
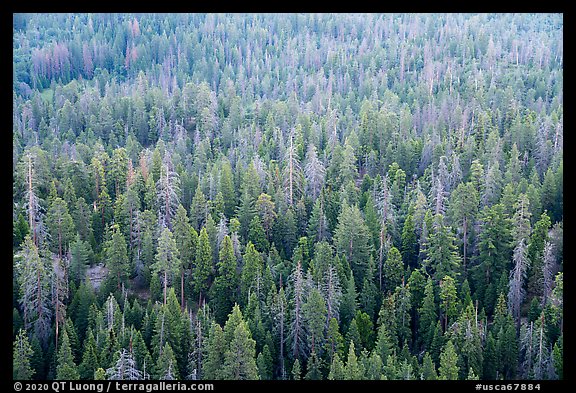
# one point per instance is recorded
(449, 299)
(352, 240)
(336, 369)
(494, 242)
(443, 258)
(264, 362)
(349, 302)
(80, 253)
(20, 229)
(166, 365)
(251, 271)
(393, 270)
(240, 355)
(203, 260)
(167, 259)
(225, 288)
(66, 368)
(409, 242)
(60, 226)
(22, 354)
(448, 369)
(428, 368)
(89, 363)
(334, 340)
(403, 224)
(257, 236)
(353, 369)
(117, 257)
(558, 359)
(227, 189)
(314, 312)
(212, 366)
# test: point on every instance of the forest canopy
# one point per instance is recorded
(287, 196)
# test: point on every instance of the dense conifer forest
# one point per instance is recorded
(289, 196)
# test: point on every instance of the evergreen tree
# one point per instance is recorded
(464, 206)
(251, 272)
(388, 315)
(373, 366)
(449, 299)
(490, 358)
(353, 336)
(428, 368)
(37, 359)
(66, 368)
(22, 354)
(448, 369)
(168, 262)
(203, 269)
(296, 371)
(224, 290)
(369, 295)
(442, 253)
(245, 212)
(19, 231)
(313, 367)
(60, 226)
(334, 340)
(353, 370)
(142, 355)
(264, 363)
(384, 346)
(257, 236)
(100, 374)
(267, 213)
(352, 239)
(506, 340)
(89, 363)
(409, 242)
(393, 270)
(516, 290)
(336, 369)
(494, 240)
(557, 358)
(535, 254)
(280, 326)
(109, 348)
(403, 304)
(199, 209)
(437, 343)
(186, 240)
(215, 346)
(117, 257)
(297, 326)
(469, 340)
(166, 365)
(318, 226)
(349, 302)
(314, 313)
(428, 315)
(33, 283)
(240, 355)
(227, 189)
(170, 327)
(79, 259)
